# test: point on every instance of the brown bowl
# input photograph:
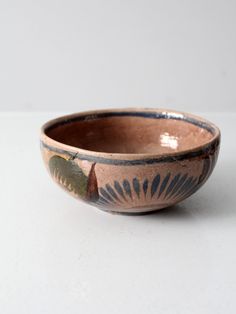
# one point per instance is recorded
(130, 160)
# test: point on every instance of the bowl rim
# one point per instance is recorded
(73, 151)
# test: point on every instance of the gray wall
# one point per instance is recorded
(73, 55)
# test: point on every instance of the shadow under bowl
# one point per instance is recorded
(130, 160)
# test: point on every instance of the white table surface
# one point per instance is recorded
(62, 256)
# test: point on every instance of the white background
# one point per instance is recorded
(73, 55)
(58, 255)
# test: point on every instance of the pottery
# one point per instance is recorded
(130, 160)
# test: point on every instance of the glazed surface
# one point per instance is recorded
(131, 134)
(80, 153)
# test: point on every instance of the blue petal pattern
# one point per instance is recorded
(169, 187)
(112, 192)
(164, 184)
(119, 189)
(155, 184)
(127, 188)
(136, 186)
(145, 186)
(172, 184)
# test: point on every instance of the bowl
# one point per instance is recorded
(130, 160)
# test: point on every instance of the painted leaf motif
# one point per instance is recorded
(92, 185)
(69, 175)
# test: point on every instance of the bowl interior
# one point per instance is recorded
(131, 134)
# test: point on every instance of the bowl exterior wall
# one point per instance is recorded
(129, 186)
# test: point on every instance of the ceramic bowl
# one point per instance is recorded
(130, 160)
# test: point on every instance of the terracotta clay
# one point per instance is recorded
(130, 160)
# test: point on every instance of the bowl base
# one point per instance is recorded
(133, 213)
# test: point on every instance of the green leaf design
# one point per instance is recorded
(69, 175)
